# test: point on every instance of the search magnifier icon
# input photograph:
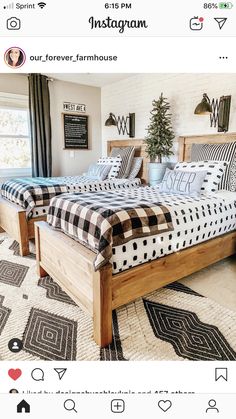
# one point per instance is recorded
(69, 405)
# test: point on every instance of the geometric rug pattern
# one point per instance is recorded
(4, 314)
(189, 336)
(54, 292)
(12, 273)
(16, 250)
(50, 336)
(177, 286)
(173, 323)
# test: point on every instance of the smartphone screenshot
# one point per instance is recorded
(117, 209)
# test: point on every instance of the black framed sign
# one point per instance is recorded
(75, 131)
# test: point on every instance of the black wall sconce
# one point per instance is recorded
(124, 124)
(218, 109)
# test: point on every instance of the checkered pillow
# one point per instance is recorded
(114, 162)
(215, 171)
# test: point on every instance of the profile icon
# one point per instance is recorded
(14, 57)
(212, 406)
(13, 391)
(15, 345)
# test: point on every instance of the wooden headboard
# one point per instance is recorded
(139, 152)
(185, 143)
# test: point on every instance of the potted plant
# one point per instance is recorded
(159, 141)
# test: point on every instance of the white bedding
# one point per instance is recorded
(195, 220)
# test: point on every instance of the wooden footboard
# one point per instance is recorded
(13, 220)
(71, 265)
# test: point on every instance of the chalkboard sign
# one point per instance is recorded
(75, 131)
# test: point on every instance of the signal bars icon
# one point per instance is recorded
(41, 5)
(9, 6)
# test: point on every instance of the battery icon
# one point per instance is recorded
(227, 5)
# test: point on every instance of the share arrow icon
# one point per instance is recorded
(221, 21)
(61, 372)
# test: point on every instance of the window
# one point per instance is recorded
(15, 153)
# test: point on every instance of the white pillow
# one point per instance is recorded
(183, 182)
(98, 171)
(215, 171)
(114, 162)
(135, 167)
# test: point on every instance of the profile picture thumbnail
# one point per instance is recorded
(14, 57)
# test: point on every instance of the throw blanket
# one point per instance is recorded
(35, 192)
(104, 220)
(31, 192)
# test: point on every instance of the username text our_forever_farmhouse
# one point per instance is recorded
(110, 23)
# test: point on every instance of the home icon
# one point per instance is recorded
(23, 407)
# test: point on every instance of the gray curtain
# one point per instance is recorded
(40, 125)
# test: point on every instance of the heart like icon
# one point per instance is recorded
(164, 405)
(14, 374)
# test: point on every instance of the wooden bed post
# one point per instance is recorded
(102, 306)
(41, 272)
(23, 236)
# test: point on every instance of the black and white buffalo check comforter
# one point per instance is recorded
(107, 219)
(36, 192)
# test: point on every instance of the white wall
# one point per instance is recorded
(184, 92)
(14, 83)
(133, 94)
(60, 92)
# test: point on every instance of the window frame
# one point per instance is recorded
(15, 102)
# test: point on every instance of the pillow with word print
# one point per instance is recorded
(182, 182)
(114, 162)
(215, 171)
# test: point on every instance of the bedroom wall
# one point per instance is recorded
(14, 83)
(77, 162)
(63, 162)
(184, 92)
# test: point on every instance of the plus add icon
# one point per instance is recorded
(117, 406)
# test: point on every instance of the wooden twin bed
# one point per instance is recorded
(13, 218)
(70, 264)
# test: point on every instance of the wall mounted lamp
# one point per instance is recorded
(218, 109)
(124, 124)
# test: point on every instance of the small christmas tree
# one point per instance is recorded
(160, 136)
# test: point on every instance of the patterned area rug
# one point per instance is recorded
(174, 323)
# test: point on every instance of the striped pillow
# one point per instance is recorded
(127, 155)
(219, 152)
(114, 162)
